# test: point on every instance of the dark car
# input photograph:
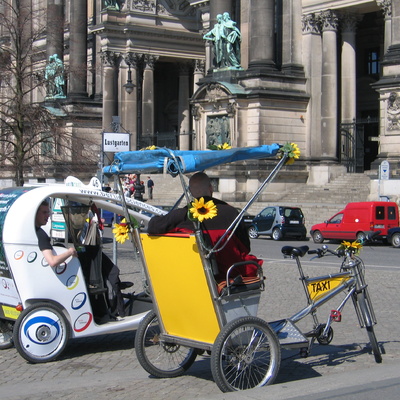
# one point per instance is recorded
(393, 236)
(278, 222)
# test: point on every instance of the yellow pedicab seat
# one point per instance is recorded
(190, 303)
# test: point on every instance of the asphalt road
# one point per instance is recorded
(106, 367)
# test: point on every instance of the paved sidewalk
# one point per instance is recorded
(106, 367)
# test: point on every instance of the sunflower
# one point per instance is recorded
(225, 146)
(120, 231)
(292, 150)
(201, 211)
(352, 248)
(150, 148)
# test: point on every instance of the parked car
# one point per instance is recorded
(393, 236)
(356, 220)
(278, 222)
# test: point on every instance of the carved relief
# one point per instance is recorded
(218, 130)
(393, 112)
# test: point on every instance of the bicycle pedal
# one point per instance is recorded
(336, 316)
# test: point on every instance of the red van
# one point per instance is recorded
(356, 220)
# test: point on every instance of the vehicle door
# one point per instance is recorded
(334, 227)
(265, 220)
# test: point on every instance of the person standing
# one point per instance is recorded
(150, 186)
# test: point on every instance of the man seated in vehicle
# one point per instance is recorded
(236, 250)
(45, 246)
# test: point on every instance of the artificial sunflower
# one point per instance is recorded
(120, 231)
(201, 211)
(225, 146)
(150, 148)
(352, 248)
(292, 150)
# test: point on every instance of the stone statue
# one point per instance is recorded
(226, 38)
(111, 4)
(54, 75)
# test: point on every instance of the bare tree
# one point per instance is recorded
(30, 135)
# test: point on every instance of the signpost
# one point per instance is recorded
(384, 174)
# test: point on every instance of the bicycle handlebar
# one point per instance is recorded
(341, 253)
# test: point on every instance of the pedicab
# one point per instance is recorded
(41, 308)
(192, 311)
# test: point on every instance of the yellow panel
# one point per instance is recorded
(180, 287)
(318, 289)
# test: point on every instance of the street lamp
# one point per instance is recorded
(129, 85)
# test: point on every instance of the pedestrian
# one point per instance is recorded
(150, 186)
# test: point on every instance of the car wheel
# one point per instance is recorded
(317, 237)
(396, 240)
(253, 233)
(276, 234)
(361, 237)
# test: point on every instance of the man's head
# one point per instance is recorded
(200, 185)
(42, 214)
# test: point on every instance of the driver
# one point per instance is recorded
(42, 216)
(237, 249)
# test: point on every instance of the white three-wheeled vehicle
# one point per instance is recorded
(41, 307)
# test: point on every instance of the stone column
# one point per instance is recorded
(329, 86)
(129, 101)
(55, 29)
(183, 107)
(78, 49)
(312, 44)
(109, 89)
(148, 96)
(219, 7)
(386, 6)
(262, 43)
(348, 83)
(291, 37)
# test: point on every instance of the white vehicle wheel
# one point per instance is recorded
(41, 333)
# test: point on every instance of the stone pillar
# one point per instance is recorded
(183, 107)
(312, 44)
(109, 89)
(219, 7)
(291, 37)
(55, 29)
(148, 96)
(262, 43)
(386, 6)
(329, 86)
(78, 49)
(129, 110)
(349, 73)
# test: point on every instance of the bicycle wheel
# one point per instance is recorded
(245, 355)
(159, 358)
(363, 304)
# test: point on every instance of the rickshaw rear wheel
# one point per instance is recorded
(245, 355)
(160, 358)
(6, 334)
(41, 333)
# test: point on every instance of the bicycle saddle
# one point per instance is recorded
(295, 251)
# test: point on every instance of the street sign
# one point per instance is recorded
(384, 170)
(116, 142)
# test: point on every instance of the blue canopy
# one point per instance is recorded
(186, 161)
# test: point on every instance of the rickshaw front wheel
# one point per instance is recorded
(41, 333)
(160, 358)
(6, 334)
(245, 355)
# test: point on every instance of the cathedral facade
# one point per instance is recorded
(322, 74)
